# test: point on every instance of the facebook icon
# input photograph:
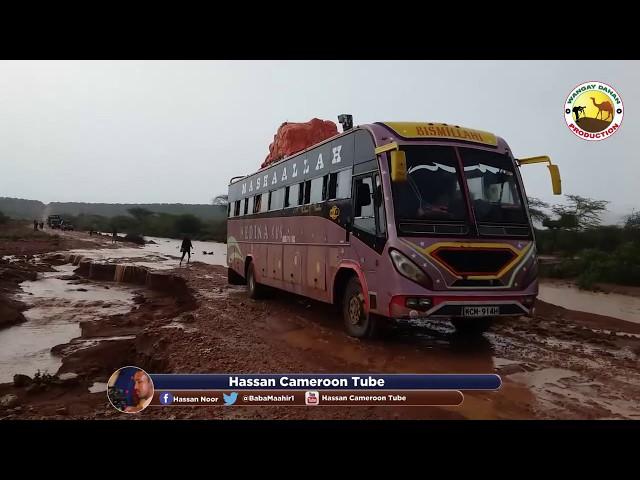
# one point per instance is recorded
(166, 398)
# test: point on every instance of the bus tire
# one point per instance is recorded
(234, 278)
(472, 327)
(357, 322)
(255, 290)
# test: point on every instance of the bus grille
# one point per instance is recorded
(467, 261)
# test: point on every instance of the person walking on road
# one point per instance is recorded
(35, 225)
(186, 249)
(115, 235)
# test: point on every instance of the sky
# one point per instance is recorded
(177, 131)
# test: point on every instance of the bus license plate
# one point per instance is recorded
(480, 311)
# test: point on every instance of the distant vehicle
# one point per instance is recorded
(54, 221)
(67, 226)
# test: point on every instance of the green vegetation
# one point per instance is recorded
(147, 223)
(32, 209)
(201, 222)
(3, 218)
(589, 252)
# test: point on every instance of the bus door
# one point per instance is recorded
(369, 226)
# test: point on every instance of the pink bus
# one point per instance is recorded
(392, 220)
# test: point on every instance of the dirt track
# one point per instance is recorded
(559, 365)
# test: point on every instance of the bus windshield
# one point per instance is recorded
(432, 191)
(493, 187)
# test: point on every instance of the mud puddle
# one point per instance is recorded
(56, 306)
(623, 307)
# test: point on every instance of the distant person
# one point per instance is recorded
(115, 235)
(41, 225)
(35, 225)
(186, 249)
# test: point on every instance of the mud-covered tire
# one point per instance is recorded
(472, 327)
(255, 290)
(234, 278)
(357, 323)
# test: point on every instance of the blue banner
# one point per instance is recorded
(347, 381)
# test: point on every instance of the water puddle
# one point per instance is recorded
(180, 326)
(623, 307)
(98, 387)
(560, 389)
(56, 308)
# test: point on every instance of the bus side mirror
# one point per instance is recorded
(556, 182)
(398, 166)
(364, 195)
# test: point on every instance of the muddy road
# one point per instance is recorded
(561, 364)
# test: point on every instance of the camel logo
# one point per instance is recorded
(334, 212)
(593, 111)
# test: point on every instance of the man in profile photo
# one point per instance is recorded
(144, 392)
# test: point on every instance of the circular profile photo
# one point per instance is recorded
(130, 389)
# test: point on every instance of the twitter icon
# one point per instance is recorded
(231, 398)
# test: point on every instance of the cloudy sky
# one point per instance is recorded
(177, 131)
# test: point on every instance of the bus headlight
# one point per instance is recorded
(407, 268)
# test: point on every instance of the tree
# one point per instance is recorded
(139, 213)
(3, 218)
(188, 224)
(220, 200)
(536, 209)
(581, 213)
(632, 220)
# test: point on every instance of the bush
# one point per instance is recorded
(3, 218)
(188, 224)
(621, 266)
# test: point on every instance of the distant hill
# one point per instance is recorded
(33, 209)
(20, 208)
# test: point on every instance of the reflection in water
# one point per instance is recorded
(624, 307)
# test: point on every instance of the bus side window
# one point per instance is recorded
(246, 206)
(307, 192)
(292, 198)
(339, 185)
(277, 199)
(264, 203)
(316, 191)
(364, 216)
(256, 203)
(236, 209)
(325, 187)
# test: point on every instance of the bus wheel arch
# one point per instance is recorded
(341, 280)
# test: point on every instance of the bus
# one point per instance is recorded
(390, 221)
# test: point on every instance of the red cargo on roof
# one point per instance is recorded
(294, 137)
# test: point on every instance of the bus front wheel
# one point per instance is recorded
(357, 322)
(472, 326)
(255, 289)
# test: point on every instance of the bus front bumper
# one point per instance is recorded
(438, 306)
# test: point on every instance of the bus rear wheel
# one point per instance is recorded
(256, 290)
(472, 327)
(357, 322)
